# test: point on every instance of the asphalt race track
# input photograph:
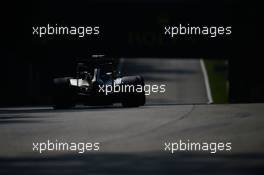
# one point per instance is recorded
(183, 78)
(132, 139)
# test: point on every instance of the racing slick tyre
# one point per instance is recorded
(134, 99)
(63, 94)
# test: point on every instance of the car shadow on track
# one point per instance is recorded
(51, 110)
(137, 164)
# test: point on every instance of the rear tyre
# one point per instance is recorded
(63, 94)
(134, 99)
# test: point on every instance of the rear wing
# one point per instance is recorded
(97, 61)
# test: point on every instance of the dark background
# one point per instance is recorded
(129, 29)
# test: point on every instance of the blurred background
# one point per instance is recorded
(131, 30)
(196, 70)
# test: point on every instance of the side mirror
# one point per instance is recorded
(117, 73)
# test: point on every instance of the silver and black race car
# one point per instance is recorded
(98, 83)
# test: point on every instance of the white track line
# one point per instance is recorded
(206, 81)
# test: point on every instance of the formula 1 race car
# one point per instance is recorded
(98, 83)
